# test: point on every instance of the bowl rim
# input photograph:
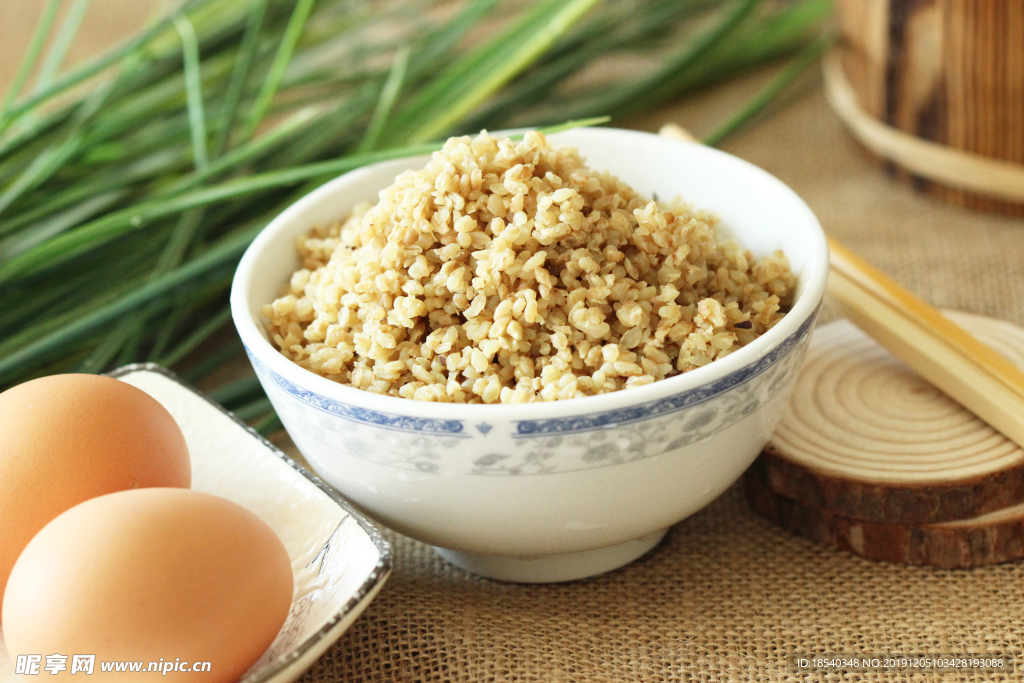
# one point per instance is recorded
(259, 348)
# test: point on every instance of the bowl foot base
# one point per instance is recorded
(553, 568)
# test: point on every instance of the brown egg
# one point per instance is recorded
(67, 438)
(149, 575)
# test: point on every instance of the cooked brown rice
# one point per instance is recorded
(510, 272)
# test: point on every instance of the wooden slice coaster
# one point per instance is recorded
(867, 438)
(987, 539)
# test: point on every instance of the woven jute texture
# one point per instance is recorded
(727, 596)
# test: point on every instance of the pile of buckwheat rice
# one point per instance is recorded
(510, 272)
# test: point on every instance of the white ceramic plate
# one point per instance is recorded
(340, 561)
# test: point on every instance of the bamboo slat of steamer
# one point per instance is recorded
(866, 437)
(950, 72)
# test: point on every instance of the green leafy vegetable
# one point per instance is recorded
(125, 205)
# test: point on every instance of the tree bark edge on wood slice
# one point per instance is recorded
(866, 437)
(896, 503)
(958, 545)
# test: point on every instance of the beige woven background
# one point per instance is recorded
(726, 597)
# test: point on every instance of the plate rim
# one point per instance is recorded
(378, 575)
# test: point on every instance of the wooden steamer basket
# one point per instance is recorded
(936, 88)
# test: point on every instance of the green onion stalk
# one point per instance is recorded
(131, 183)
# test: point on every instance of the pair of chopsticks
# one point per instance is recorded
(971, 373)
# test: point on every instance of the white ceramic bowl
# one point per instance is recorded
(567, 489)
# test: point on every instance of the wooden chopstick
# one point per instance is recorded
(880, 285)
(965, 369)
(971, 373)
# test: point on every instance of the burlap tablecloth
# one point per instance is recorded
(727, 596)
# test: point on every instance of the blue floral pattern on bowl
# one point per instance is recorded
(402, 423)
(671, 404)
(533, 447)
